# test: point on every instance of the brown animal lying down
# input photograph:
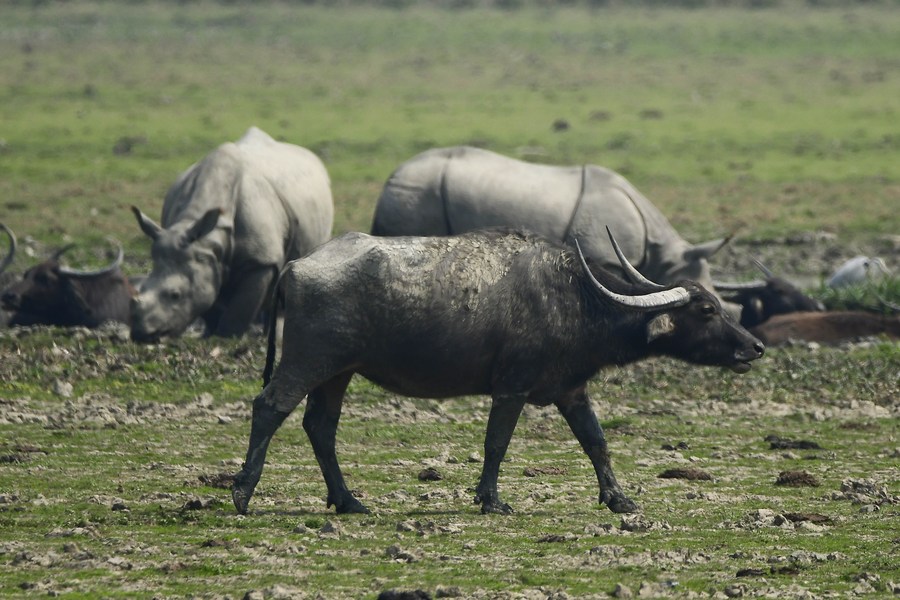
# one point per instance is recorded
(826, 327)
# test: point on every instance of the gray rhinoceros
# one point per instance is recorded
(229, 224)
(446, 191)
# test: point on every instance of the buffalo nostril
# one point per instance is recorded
(760, 349)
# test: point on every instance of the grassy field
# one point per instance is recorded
(775, 120)
(113, 456)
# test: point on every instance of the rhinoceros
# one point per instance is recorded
(446, 191)
(229, 224)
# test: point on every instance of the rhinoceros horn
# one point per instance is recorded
(103, 271)
(7, 260)
(654, 301)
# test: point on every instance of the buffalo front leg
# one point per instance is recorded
(320, 421)
(266, 420)
(502, 421)
(583, 422)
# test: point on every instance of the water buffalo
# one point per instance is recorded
(229, 224)
(763, 298)
(831, 327)
(446, 191)
(505, 313)
(52, 294)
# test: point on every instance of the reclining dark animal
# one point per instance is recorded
(50, 293)
(833, 327)
(504, 313)
(763, 298)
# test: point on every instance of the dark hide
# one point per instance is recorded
(492, 312)
(47, 296)
(774, 296)
(827, 327)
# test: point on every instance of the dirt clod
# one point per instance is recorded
(777, 443)
(797, 479)
(686, 473)
(430, 474)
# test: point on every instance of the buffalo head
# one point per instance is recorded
(764, 298)
(53, 294)
(688, 320)
(185, 279)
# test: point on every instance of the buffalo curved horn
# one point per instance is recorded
(108, 269)
(631, 273)
(747, 286)
(647, 302)
(7, 260)
(743, 286)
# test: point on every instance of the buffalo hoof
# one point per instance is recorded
(621, 504)
(349, 505)
(241, 499)
(499, 508)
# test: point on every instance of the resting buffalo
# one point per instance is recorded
(52, 294)
(761, 299)
(827, 327)
(445, 191)
(504, 313)
(229, 224)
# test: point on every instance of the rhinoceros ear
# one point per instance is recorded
(203, 225)
(148, 226)
(707, 249)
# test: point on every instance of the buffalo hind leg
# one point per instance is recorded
(583, 422)
(320, 421)
(502, 421)
(266, 420)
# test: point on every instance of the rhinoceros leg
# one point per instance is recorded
(502, 421)
(583, 422)
(267, 418)
(243, 302)
(320, 421)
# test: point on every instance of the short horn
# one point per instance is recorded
(763, 269)
(7, 260)
(660, 300)
(108, 269)
(631, 273)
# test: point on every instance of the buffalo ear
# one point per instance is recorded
(148, 226)
(660, 325)
(203, 225)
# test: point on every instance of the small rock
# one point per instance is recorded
(62, 389)
(622, 591)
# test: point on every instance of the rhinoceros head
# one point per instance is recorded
(185, 279)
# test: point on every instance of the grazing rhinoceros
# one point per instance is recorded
(229, 224)
(446, 191)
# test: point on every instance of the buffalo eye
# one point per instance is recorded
(708, 310)
(173, 295)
